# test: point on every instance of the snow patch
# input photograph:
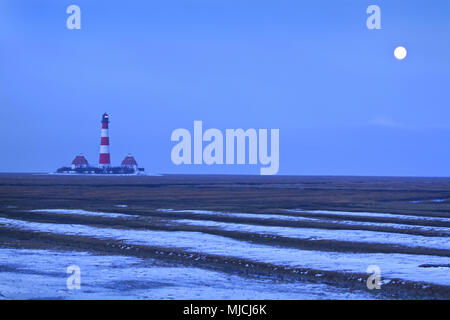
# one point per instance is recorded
(404, 266)
(86, 213)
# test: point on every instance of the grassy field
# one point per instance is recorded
(172, 203)
(229, 192)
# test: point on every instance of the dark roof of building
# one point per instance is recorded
(129, 161)
(80, 160)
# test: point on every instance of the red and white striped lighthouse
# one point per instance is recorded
(105, 159)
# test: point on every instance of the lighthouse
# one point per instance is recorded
(80, 165)
(105, 159)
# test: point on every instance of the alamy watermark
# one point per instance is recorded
(220, 152)
(74, 280)
(74, 20)
(374, 280)
(374, 20)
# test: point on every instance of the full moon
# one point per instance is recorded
(400, 53)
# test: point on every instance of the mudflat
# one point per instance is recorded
(275, 233)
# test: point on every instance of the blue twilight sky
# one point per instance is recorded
(344, 105)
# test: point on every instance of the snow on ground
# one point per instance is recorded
(242, 215)
(41, 274)
(86, 213)
(301, 219)
(405, 266)
(370, 214)
(326, 234)
(432, 200)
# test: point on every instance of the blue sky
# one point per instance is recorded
(344, 105)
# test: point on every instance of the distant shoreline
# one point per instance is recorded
(278, 176)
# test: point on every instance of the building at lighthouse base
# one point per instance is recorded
(81, 166)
